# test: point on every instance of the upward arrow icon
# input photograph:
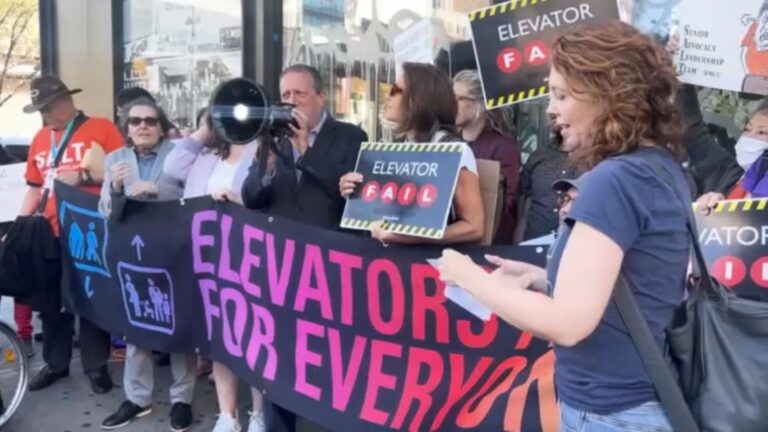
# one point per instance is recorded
(138, 243)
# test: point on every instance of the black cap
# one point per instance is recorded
(564, 185)
(126, 95)
(45, 90)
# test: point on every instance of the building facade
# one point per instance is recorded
(180, 50)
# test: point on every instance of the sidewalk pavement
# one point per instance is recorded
(70, 406)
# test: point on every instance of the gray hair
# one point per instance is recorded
(501, 119)
(165, 124)
(317, 79)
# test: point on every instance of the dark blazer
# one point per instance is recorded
(314, 199)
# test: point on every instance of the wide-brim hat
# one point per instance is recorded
(45, 90)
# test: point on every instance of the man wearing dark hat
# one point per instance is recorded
(567, 190)
(70, 148)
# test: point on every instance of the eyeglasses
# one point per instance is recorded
(149, 121)
(395, 90)
(564, 199)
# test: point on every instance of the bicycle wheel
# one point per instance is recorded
(14, 373)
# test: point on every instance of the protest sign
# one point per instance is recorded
(12, 190)
(512, 43)
(415, 44)
(408, 186)
(724, 44)
(734, 240)
(334, 327)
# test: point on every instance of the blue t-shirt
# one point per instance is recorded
(624, 198)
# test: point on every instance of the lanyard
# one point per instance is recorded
(56, 147)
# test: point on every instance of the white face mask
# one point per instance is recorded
(748, 150)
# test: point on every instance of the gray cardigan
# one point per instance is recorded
(168, 189)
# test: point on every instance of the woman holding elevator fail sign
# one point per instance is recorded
(611, 94)
(423, 105)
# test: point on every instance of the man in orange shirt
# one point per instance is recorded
(69, 136)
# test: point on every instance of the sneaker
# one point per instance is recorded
(127, 412)
(29, 347)
(181, 416)
(256, 422)
(227, 423)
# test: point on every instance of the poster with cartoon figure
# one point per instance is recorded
(724, 44)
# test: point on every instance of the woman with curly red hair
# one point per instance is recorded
(611, 95)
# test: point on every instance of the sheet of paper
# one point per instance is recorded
(461, 297)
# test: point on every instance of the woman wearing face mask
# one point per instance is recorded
(489, 138)
(423, 105)
(719, 175)
(752, 156)
(611, 91)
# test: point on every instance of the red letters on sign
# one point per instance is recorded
(405, 195)
(370, 191)
(389, 193)
(510, 60)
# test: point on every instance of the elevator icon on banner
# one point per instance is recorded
(86, 234)
(148, 297)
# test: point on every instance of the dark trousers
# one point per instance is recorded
(58, 330)
(279, 419)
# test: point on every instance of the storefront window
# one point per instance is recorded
(351, 43)
(180, 50)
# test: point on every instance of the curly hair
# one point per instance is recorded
(429, 101)
(633, 82)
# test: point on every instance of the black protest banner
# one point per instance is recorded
(408, 186)
(512, 43)
(332, 326)
(734, 237)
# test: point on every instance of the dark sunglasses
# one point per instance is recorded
(395, 90)
(149, 121)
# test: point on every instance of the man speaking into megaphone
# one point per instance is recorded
(302, 185)
(301, 155)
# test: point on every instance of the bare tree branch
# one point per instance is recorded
(16, 89)
(20, 24)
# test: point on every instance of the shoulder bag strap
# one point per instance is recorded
(656, 365)
(76, 123)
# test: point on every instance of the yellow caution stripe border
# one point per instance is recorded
(733, 206)
(412, 230)
(520, 96)
(503, 8)
(414, 148)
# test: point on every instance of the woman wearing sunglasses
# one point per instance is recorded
(423, 105)
(136, 171)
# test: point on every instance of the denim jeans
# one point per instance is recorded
(648, 417)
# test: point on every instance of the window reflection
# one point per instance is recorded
(180, 50)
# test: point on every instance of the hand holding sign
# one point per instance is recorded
(348, 183)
